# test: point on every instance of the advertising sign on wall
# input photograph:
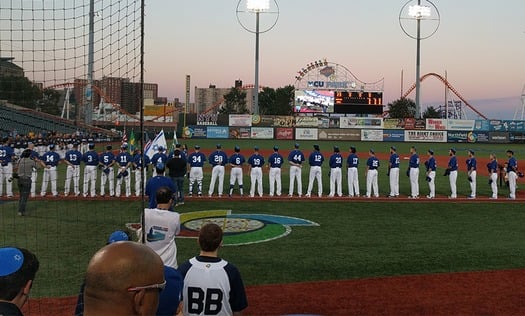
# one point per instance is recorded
(370, 135)
(482, 125)
(517, 137)
(217, 132)
(306, 121)
(198, 131)
(284, 121)
(284, 133)
(306, 133)
(393, 135)
(457, 136)
(262, 132)
(460, 125)
(240, 132)
(242, 120)
(262, 120)
(506, 126)
(393, 123)
(360, 122)
(436, 124)
(479, 137)
(426, 136)
(499, 137)
(339, 134)
(412, 123)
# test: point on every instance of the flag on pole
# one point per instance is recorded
(152, 148)
(175, 141)
(132, 141)
(124, 136)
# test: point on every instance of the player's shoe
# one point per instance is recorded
(493, 197)
(391, 196)
(200, 194)
(330, 195)
(308, 195)
(471, 197)
(430, 197)
(452, 197)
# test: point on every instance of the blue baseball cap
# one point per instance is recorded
(430, 151)
(275, 147)
(51, 146)
(11, 260)
(118, 236)
(296, 145)
(237, 148)
(218, 146)
(197, 147)
(316, 147)
(160, 166)
(256, 148)
(160, 148)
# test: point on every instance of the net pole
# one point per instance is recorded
(141, 105)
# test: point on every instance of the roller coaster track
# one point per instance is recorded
(448, 85)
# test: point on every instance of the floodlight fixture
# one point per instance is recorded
(419, 11)
(257, 5)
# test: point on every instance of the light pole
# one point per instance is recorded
(418, 12)
(257, 7)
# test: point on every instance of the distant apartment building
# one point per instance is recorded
(206, 98)
(9, 69)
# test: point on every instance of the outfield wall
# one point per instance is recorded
(338, 127)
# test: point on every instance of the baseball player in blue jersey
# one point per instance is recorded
(472, 173)
(315, 160)
(218, 160)
(256, 162)
(371, 175)
(159, 157)
(34, 174)
(51, 160)
(212, 286)
(275, 161)
(393, 172)
(336, 164)
(91, 161)
(452, 170)
(106, 161)
(140, 167)
(72, 158)
(431, 166)
(196, 161)
(492, 167)
(296, 159)
(413, 164)
(352, 162)
(123, 161)
(6, 167)
(236, 161)
(512, 174)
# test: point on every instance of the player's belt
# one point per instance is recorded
(336, 167)
(372, 168)
(4, 164)
(236, 166)
(256, 167)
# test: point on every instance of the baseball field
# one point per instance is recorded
(365, 256)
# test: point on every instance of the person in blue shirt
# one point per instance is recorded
(275, 161)
(512, 173)
(393, 172)
(124, 162)
(51, 160)
(156, 182)
(492, 167)
(159, 156)
(315, 160)
(72, 158)
(452, 171)
(196, 161)
(431, 166)
(296, 159)
(413, 165)
(106, 161)
(352, 162)
(371, 175)
(6, 167)
(256, 162)
(91, 161)
(140, 169)
(336, 164)
(236, 161)
(218, 160)
(471, 172)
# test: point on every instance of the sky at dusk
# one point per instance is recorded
(480, 44)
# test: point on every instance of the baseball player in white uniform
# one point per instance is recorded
(218, 160)
(275, 161)
(336, 164)
(296, 159)
(236, 162)
(256, 162)
(315, 160)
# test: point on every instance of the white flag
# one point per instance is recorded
(160, 140)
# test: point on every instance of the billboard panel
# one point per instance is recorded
(360, 122)
(339, 134)
(240, 132)
(393, 135)
(241, 120)
(460, 125)
(306, 133)
(499, 137)
(284, 121)
(371, 135)
(482, 125)
(262, 132)
(393, 123)
(306, 121)
(426, 136)
(198, 131)
(457, 136)
(262, 120)
(284, 133)
(517, 137)
(217, 132)
(436, 124)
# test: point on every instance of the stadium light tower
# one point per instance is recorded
(418, 12)
(257, 7)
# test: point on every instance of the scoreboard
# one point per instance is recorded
(357, 102)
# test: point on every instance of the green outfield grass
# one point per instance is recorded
(355, 239)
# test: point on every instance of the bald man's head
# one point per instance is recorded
(115, 269)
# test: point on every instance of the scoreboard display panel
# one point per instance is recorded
(357, 102)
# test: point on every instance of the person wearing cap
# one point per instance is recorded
(177, 166)
(218, 160)
(51, 160)
(91, 161)
(159, 156)
(413, 164)
(18, 268)
(471, 172)
(296, 159)
(236, 162)
(352, 162)
(124, 161)
(160, 227)
(393, 172)
(512, 169)
(371, 175)
(196, 161)
(34, 174)
(315, 160)
(140, 165)
(430, 166)
(256, 162)
(24, 169)
(452, 170)
(336, 164)
(492, 167)
(275, 162)
(156, 182)
(72, 158)
(212, 286)
(106, 161)
(135, 291)
(6, 167)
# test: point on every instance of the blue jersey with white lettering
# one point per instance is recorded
(431, 165)
(372, 163)
(471, 164)
(492, 166)
(107, 158)
(275, 160)
(394, 160)
(296, 156)
(453, 163)
(316, 159)
(414, 161)
(218, 158)
(352, 161)
(90, 158)
(74, 157)
(336, 161)
(6, 155)
(196, 159)
(159, 157)
(51, 158)
(123, 159)
(237, 159)
(256, 160)
(512, 165)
